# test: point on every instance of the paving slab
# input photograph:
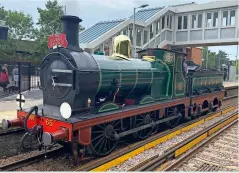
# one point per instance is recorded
(8, 105)
(230, 84)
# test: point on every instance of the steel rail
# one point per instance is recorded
(190, 153)
(30, 160)
(101, 161)
(169, 154)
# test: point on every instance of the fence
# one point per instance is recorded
(22, 76)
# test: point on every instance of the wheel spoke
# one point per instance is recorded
(97, 137)
(117, 122)
(99, 142)
(100, 127)
(98, 131)
(102, 143)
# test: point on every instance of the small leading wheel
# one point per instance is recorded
(170, 112)
(102, 138)
(144, 119)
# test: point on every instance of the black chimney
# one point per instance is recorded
(71, 29)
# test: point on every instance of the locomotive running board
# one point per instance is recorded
(117, 136)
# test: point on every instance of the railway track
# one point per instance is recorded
(30, 160)
(217, 153)
(121, 155)
(96, 162)
(158, 161)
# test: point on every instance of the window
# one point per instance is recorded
(138, 37)
(151, 31)
(194, 20)
(170, 24)
(199, 20)
(107, 48)
(124, 32)
(182, 22)
(185, 22)
(163, 22)
(215, 19)
(232, 17)
(209, 20)
(157, 26)
(179, 22)
(167, 19)
(131, 34)
(224, 18)
(145, 36)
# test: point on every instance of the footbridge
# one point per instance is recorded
(213, 23)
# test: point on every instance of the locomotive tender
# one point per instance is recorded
(91, 101)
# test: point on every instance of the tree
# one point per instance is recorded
(49, 23)
(214, 61)
(236, 64)
(20, 27)
(221, 58)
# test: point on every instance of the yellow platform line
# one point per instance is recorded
(196, 141)
(139, 150)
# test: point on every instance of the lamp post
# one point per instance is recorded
(134, 33)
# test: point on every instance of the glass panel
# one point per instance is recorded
(151, 31)
(224, 18)
(185, 22)
(125, 32)
(106, 48)
(145, 36)
(199, 20)
(209, 19)
(179, 22)
(170, 24)
(131, 34)
(232, 17)
(215, 19)
(138, 37)
(157, 27)
(163, 22)
(167, 21)
(194, 21)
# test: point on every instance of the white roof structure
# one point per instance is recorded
(213, 23)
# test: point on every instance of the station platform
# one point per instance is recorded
(230, 84)
(8, 106)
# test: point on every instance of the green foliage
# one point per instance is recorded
(214, 60)
(20, 27)
(236, 64)
(49, 23)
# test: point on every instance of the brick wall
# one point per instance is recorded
(195, 55)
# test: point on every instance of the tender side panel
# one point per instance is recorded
(211, 82)
(199, 100)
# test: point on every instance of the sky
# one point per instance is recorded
(93, 11)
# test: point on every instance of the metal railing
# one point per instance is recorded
(22, 76)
